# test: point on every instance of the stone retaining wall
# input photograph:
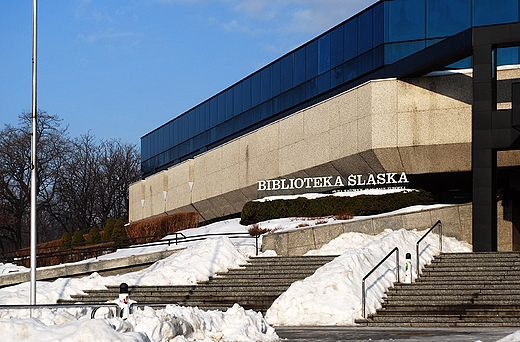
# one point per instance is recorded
(456, 222)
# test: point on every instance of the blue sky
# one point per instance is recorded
(121, 68)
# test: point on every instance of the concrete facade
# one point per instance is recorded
(417, 126)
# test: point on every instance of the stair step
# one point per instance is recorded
(254, 285)
(459, 289)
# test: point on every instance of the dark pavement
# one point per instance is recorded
(330, 334)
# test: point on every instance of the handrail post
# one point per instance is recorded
(363, 296)
(438, 223)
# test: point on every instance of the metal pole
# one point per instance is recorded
(33, 158)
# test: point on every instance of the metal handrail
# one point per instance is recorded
(363, 297)
(438, 223)
(93, 306)
(179, 238)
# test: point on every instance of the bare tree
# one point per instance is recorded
(15, 172)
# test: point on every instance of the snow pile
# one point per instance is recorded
(332, 295)
(174, 323)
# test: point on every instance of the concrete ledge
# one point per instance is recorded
(123, 265)
(456, 222)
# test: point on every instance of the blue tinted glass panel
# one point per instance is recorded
(299, 66)
(265, 91)
(404, 20)
(351, 39)
(311, 89)
(221, 107)
(311, 60)
(206, 114)
(377, 57)
(488, 12)
(350, 70)
(324, 54)
(237, 98)
(286, 100)
(324, 82)
(229, 104)
(287, 72)
(275, 79)
(397, 51)
(447, 17)
(298, 93)
(213, 111)
(336, 47)
(336, 77)
(365, 63)
(365, 34)
(246, 94)
(256, 85)
(378, 15)
(507, 56)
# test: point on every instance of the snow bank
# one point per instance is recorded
(332, 295)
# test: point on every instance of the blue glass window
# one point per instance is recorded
(275, 78)
(378, 15)
(311, 60)
(256, 86)
(238, 98)
(287, 72)
(447, 17)
(336, 47)
(365, 34)
(265, 91)
(324, 54)
(404, 20)
(351, 39)
(299, 66)
(507, 56)
(488, 12)
(246, 94)
(229, 104)
(397, 51)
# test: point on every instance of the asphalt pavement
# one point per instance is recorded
(332, 334)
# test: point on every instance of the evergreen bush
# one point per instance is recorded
(77, 238)
(361, 205)
(65, 241)
(93, 236)
(119, 234)
(107, 231)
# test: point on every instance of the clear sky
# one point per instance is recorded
(121, 68)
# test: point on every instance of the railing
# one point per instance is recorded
(72, 253)
(439, 224)
(94, 307)
(363, 296)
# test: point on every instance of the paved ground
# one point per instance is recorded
(331, 334)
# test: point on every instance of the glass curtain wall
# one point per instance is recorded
(380, 35)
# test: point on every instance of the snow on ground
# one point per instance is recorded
(332, 296)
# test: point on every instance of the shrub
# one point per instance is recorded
(65, 241)
(93, 236)
(162, 226)
(77, 238)
(107, 231)
(119, 235)
(361, 205)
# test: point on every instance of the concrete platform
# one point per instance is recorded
(329, 334)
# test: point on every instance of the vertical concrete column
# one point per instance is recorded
(484, 157)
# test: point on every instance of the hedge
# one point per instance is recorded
(361, 205)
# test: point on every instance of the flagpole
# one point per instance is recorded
(33, 157)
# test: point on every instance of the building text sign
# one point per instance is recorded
(387, 179)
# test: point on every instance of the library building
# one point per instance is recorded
(419, 94)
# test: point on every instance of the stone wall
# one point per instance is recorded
(456, 222)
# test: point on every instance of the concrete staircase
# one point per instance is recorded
(460, 289)
(254, 286)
